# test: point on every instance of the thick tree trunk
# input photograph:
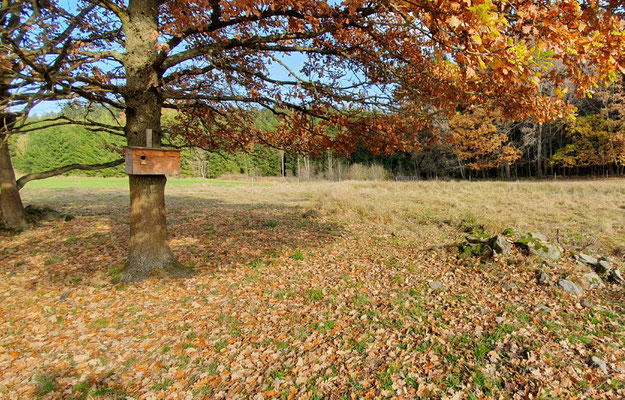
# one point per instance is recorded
(11, 207)
(148, 251)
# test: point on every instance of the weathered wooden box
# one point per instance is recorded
(151, 161)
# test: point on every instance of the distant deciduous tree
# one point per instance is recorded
(596, 141)
(477, 141)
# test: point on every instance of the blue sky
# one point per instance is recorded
(293, 61)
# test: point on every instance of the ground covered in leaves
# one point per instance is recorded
(315, 291)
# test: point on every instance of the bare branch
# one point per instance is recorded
(61, 170)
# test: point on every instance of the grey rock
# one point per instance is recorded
(543, 278)
(598, 363)
(34, 214)
(616, 277)
(545, 250)
(608, 259)
(592, 280)
(542, 307)
(569, 287)
(539, 236)
(478, 239)
(603, 267)
(436, 285)
(51, 215)
(586, 259)
(501, 245)
(500, 320)
(509, 286)
(585, 303)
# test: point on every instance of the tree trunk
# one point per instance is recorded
(330, 167)
(11, 207)
(461, 167)
(282, 163)
(539, 152)
(206, 172)
(148, 251)
(307, 167)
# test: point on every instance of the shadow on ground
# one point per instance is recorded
(209, 235)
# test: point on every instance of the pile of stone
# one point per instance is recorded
(486, 243)
(534, 243)
(593, 270)
(35, 215)
(601, 269)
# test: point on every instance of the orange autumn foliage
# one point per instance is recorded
(476, 140)
(371, 72)
(375, 72)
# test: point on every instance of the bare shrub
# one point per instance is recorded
(361, 172)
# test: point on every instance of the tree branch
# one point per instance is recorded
(58, 171)
(249, 42)
(114, 8)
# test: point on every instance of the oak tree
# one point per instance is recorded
(35, 40)
(477, 140)
(370, 72)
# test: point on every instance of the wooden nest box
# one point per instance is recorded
(150, 161)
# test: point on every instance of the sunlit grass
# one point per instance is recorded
(122, 182)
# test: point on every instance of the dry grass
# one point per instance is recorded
(578, 214)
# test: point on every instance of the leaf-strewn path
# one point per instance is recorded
(307, 291)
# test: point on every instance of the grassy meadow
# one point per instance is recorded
(79, 182)
(314, 290)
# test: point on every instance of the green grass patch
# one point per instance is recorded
(69, 182)
(220, 345)
(298, 255)
(163, 385)
(45, 383)
(272, 223)
(314, 294)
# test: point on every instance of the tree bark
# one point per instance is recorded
(11, 207)
(148, 251)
